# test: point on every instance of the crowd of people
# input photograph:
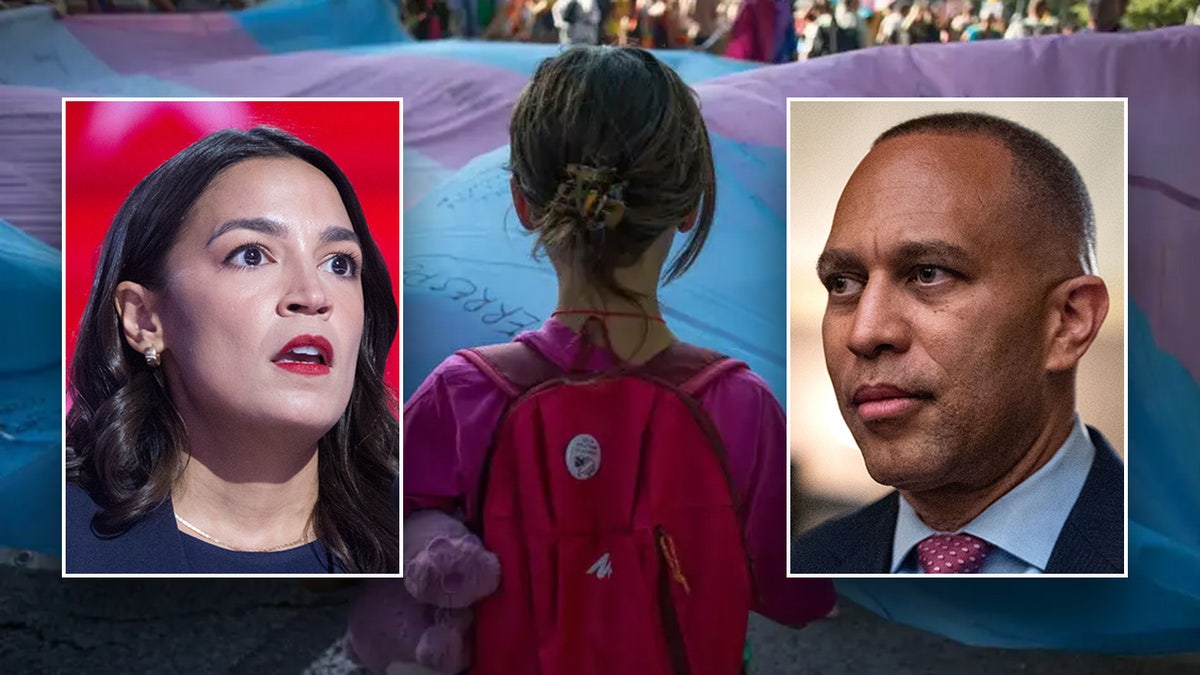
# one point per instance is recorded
(660, 24)
(770, 31)
(64, 7)
(828, 30)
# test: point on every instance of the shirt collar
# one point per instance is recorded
(560, 344)
(1026, 521)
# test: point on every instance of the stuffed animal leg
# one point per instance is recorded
(421, 625)
(444, 564)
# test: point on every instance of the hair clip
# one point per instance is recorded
(597, 194)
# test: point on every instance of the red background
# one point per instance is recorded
(111, 145)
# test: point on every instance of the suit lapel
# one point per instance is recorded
(876, 529)
(1092, 540)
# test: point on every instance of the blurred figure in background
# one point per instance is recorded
(1038, 21)
(617, 22)
(843, 31)
(699, 18)
(538, 21)
(662, 25)
(961, 21)
(577, 21)
(764, 31)
(920, 26)
(993, 7)
(459, 24)
(808, 22)
(498, 19)
(425, 19)
(1106, 16)
(890, 27)
(988, 28)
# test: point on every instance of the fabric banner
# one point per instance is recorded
(470, 279)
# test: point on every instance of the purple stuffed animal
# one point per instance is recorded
(419, 625)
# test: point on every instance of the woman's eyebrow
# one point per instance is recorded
(335, 234)
(274, 228)
(262, 225)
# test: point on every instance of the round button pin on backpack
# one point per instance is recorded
(583, 456)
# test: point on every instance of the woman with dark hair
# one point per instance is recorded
(228, 408)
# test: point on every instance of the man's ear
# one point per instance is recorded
(520, 204)
(139, 322)
(1078, 307)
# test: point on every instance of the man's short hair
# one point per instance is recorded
(1046, 184)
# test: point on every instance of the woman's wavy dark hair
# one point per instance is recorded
(126, 440)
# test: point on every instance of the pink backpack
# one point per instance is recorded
(609, 503)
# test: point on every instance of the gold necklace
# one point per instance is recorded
(302, 540)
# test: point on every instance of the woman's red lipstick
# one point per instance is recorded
(306, 355)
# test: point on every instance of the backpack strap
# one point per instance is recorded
(689, 368)
(515, 367)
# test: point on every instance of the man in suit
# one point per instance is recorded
(960, 269)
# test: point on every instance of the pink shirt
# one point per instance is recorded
(449, 422)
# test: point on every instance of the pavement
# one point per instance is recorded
(258, 626)
(237, 626)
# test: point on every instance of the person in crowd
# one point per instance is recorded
(1038, 21)
(427, 19)
(989, 27)
(842, 31)
(890, 32)
(920, 26)
(578, 22)
(1104, 16)
(960, 22)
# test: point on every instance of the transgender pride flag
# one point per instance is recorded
(459, 238)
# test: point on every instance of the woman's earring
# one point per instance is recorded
(152, 359)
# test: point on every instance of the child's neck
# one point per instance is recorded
(635, 331)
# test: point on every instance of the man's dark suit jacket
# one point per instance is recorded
(1092, 540)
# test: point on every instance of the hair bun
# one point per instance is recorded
(596, 194)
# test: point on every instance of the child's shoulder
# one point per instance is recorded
(740, 387)
(455, 376)
(736, 389)
(456, 369)
(746, 382)
(745, 412)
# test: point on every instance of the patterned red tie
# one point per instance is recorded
(952, 554)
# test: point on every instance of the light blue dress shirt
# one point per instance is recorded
(1023, 524)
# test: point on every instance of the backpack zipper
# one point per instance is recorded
(669, 573)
